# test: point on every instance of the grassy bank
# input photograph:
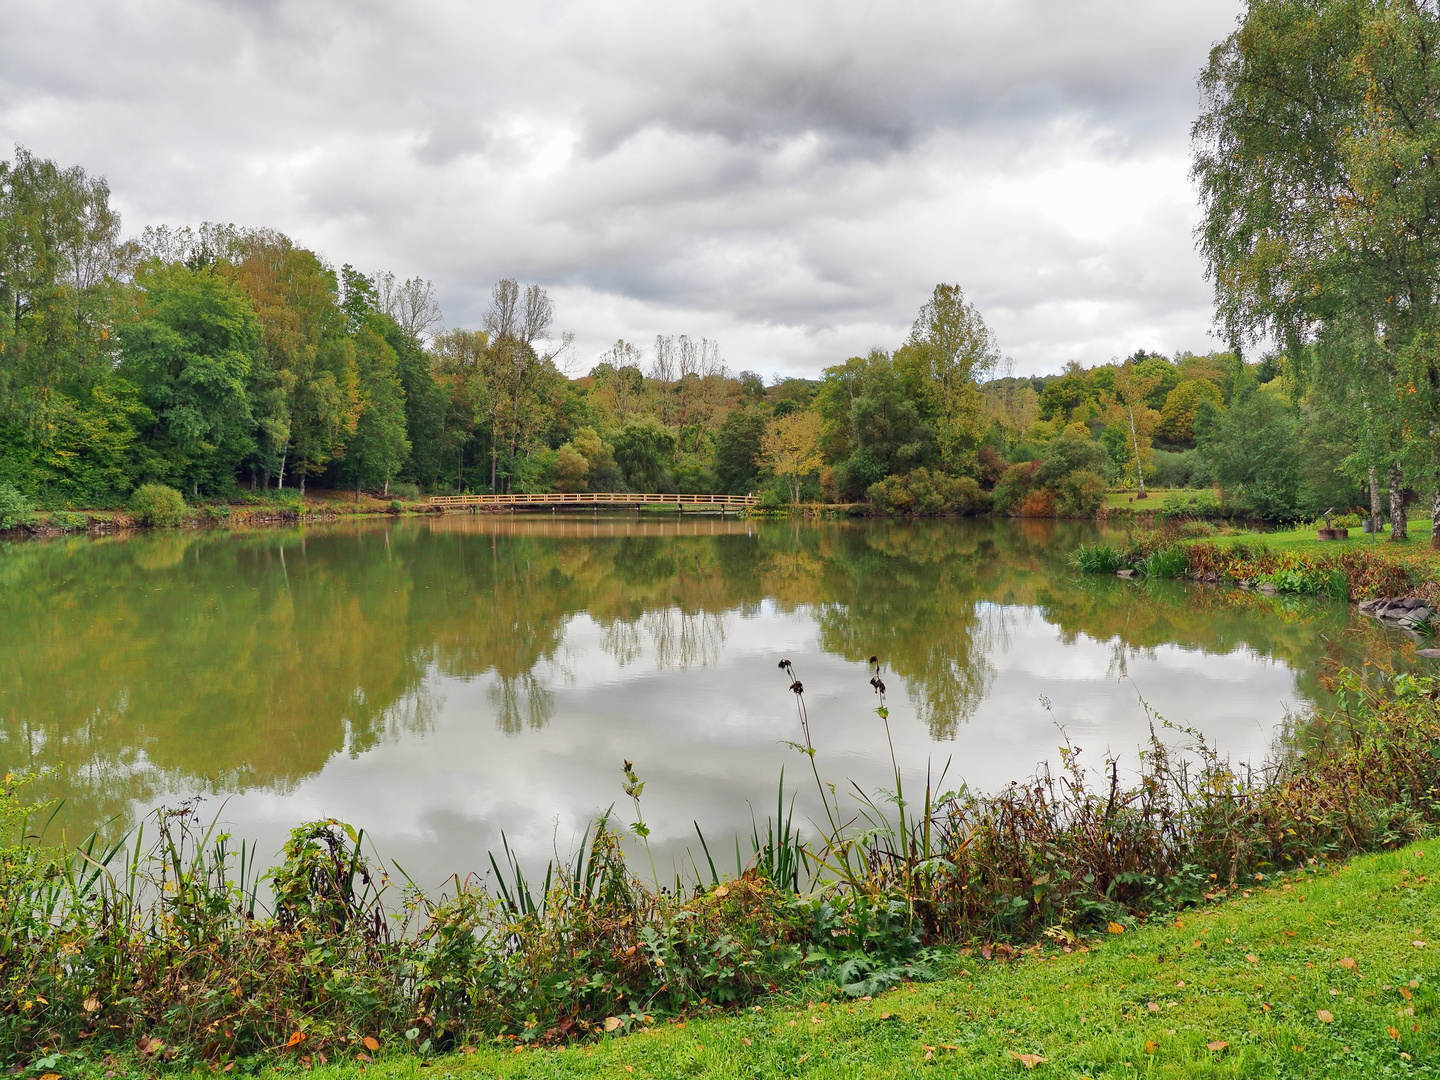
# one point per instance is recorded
(1293, 561)
(1322, 973)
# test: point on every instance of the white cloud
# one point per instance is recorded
(790, 179)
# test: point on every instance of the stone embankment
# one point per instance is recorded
(1411, 613)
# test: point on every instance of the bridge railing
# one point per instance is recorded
(596, 498)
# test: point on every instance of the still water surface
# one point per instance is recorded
(438, 681)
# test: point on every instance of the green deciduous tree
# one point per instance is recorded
(189, 353)
(1315, 157)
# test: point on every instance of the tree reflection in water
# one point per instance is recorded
(136, 669)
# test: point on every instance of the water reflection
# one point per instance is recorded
(149, 668)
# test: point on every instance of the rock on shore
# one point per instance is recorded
(1406, 612)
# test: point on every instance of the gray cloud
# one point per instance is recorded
(791, 179)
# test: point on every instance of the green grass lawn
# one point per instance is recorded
(1328, 974)
(1125, 500)
(1304, 539)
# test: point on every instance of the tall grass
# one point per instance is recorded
(174, 942)
(1096, 559)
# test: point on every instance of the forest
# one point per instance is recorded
(233, 363)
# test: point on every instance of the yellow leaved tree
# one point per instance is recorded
(790, 447)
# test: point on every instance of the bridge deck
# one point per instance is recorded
(597, 498)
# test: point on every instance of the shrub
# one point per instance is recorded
(1169, 469)
(69, 520)
(1196, 504)
(923, 493)
(396, 506)
(1016, 482)
(1072, 453)
(1080, 494)
(157, 506)
(1040, 503)
(15, 509)
(402, 490)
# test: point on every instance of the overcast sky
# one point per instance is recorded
(790, 178)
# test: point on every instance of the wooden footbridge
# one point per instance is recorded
(595, 500)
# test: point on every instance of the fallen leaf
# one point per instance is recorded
(371, 1043)
(1031, 1060)
(1393, 1032)
(1418, 944)
(1251, 958)
(613, 1022)
(1151, 1046)
(1325, 1016)
(1153, 1007)
(722, 892)
(1347, 962)
(92, 1005)
(1114, 928)
(1217, 1045)
(1405, 993)
(629, 1068)
(367, 1058)
(816, 1020)
(295, 1039)
(50, 1076)
(747, 1042)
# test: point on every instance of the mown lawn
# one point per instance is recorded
(1416, 553)
(1125, 500)
(1326, 974)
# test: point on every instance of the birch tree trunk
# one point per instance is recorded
(1377, 511)
(1398, 530)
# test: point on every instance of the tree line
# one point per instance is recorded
(221, 360)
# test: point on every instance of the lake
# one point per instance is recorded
(438, 681)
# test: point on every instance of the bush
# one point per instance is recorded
(402, 490)
(157, 506)
(396, 506)
(1172, 469)
(1072, 453)
(1040, 503)
(1081, 494)
(1016, 482)
(69, 520)
(1199, 504)
(15, 509)
(923, 493)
